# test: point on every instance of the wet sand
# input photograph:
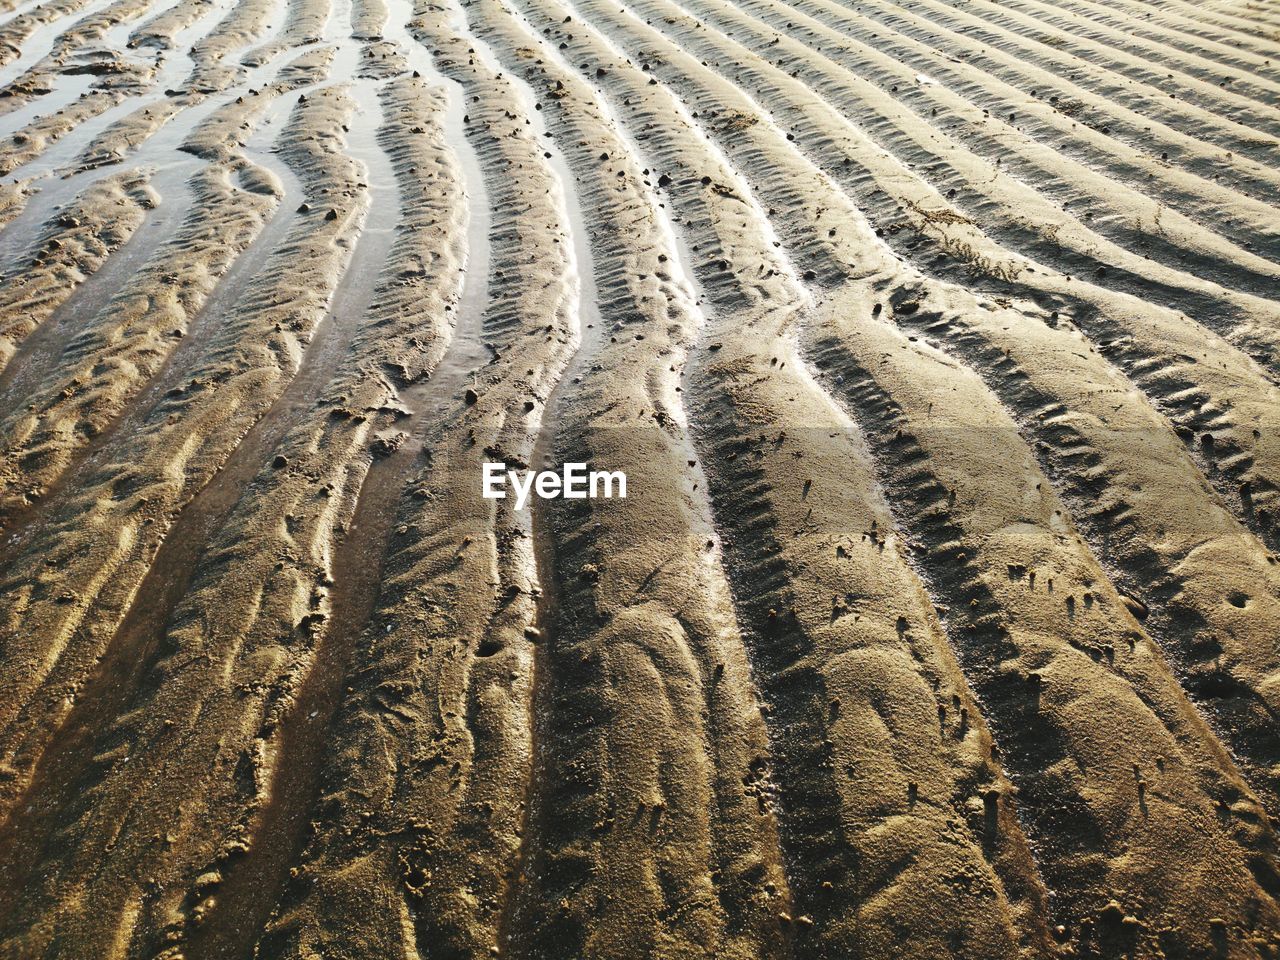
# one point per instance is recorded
(939, 343)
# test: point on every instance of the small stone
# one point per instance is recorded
(1134, 606)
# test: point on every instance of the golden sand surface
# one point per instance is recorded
(939, 343)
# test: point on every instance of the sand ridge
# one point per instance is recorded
(939, 342)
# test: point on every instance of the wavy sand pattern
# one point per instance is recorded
(939, 341)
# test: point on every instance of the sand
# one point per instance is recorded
(939, 342)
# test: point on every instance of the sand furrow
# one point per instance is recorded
(92, 30)
(1252, 320)
(1054, 236)
(13, 198)
(35, 139)
(443, 694)
(16, 32)
(70, 250)
(39, 356)
(1250, 29)
(938, 343)
(785, 563)
(210, 119)
(168, 458)
(1256, 21)
(368, 19)
(1202, 739)
(1234, 118)
(1171, 27)
(65, 86)
(1107, 113)
(85, 62)
(159, 31)
(245, 23)
(217, 139)
(154, 698)
(1153, 51)
(1200, 583)
(1232, 397)
(1116, 192)
(1113, 766)
(118, 352)
(122, 346)
(683, 828)
(304, 23)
